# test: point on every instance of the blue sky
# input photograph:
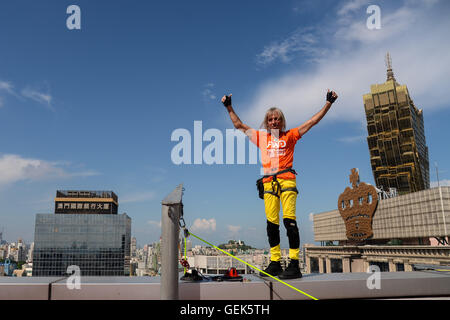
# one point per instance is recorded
(95, 108)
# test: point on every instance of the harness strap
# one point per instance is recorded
(280, 172)
(281, 191)
(276, 185)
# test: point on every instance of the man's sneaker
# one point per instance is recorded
(274, 269)
(292, 271)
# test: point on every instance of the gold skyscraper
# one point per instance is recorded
(396, 137)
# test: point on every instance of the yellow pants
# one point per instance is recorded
(288, 201)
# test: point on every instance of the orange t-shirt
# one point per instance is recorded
(276, 154)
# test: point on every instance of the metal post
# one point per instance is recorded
(170, 224)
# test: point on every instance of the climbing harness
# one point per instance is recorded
(276, 188)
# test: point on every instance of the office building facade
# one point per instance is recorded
(412, 219)
(408, 230)
(396, 138)
(98, 244)
(85, 231)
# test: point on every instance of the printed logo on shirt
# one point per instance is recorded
(276, 148)
(276, 144)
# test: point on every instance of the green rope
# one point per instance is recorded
(287, 284)
(185, 256)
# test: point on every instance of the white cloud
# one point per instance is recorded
(14, 168)
(7, 86)
(154, 223)
(234, 230)
(138, 197)
(40, 97)
(393, 24)
(351, 6)
(354, 63)
(300, 41)
(208, 93)
(204, 225)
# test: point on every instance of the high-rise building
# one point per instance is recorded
(96, 241)
(21, 250)
(396, 138)
(133, 247)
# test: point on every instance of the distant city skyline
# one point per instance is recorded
(95, 108)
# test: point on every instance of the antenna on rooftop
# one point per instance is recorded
(388, 62)
(437, 173)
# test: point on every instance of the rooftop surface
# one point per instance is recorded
(397, 285)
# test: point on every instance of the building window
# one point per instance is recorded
(400, 267)
(336, 265)
(314, 265)
(384, 266)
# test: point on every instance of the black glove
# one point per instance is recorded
(227, 101)
(330, 97)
